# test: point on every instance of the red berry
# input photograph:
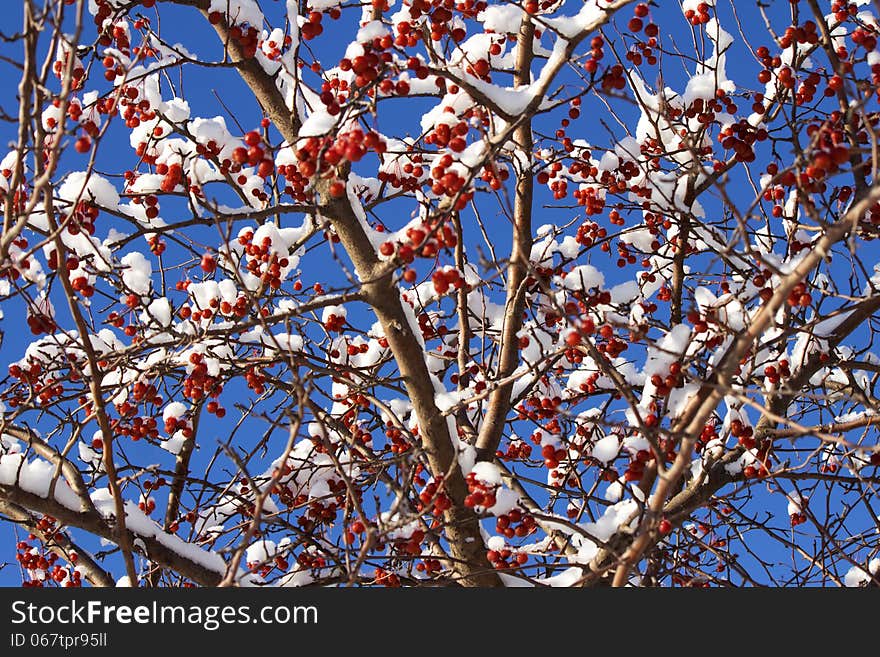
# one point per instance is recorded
(208, 263)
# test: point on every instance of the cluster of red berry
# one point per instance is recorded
(42, 565)
(433, 498)
(700, 16)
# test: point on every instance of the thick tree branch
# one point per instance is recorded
(518, 263)
(383, 296)
(59, 543)
(148, 546)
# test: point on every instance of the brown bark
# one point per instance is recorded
(383, 296)
(93, 523)
(518, 263)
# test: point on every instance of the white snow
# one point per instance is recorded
(445, 400)
(570, 26)
(794, 503)
(173, 410)
(568, 577)
(615, 491)
(323, 5)
(239, 11)
(319, 123)
(140, 524)
(175, 443)
(624, 292)
(370, 31)
(260, 551)
(712, 74)
(137, 273)
(35, 477)
(333, 311)
(285, 342)
(606, 449)
(584, 277)
(89, 455)
(80, 185)
(856, 576)
(160, 310)
(488, 473)
(503, 19)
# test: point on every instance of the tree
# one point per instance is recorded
(441, 293)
